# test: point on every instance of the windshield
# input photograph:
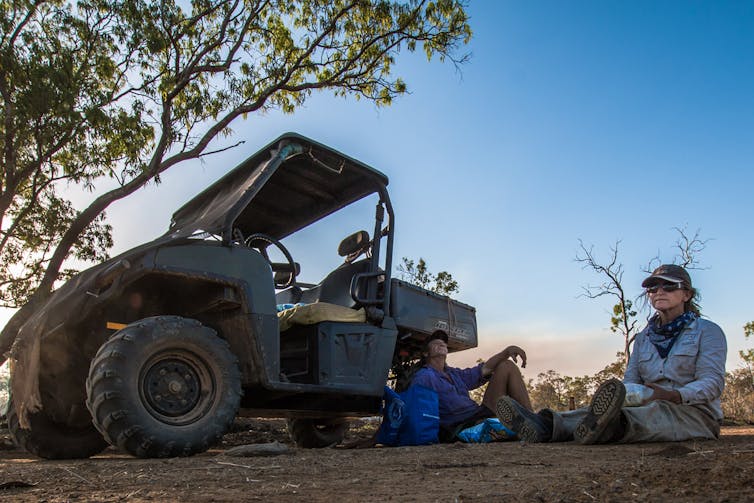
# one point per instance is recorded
(315, 247)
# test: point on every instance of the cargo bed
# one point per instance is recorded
(419, 313)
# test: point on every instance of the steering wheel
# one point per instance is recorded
(260, 242)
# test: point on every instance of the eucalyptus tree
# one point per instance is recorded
(107, 95)
(418, 274)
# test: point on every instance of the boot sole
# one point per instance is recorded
(605, 406)
(514, 421)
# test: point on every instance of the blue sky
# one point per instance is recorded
(599, 121)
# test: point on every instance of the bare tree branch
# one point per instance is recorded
(689, 247)
(623, 318)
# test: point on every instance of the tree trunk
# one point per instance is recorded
(10, 331)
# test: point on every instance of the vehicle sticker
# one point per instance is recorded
(457, 332)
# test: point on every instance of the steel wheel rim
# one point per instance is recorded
(177, 387)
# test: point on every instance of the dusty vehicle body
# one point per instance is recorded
(157, 350)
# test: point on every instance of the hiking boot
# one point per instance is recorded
(603, 421)
(526, 424)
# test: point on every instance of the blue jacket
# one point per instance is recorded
(452, 391)
(695, 366)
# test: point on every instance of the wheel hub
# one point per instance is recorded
(172, 387)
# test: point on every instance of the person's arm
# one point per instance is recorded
(709, 375)
(513, 352)
(471, 377)
(424, 378)
(660, 393)
(631, 375)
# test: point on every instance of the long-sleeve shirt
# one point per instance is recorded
(695, 366)
(452, 391)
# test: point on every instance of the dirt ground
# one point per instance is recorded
(503, 471)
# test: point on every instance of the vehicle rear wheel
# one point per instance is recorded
(49, 439)
(164, 387)
(316, 433)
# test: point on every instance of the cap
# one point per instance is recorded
(668, 272)
(438, 335)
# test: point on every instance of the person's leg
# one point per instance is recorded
(506, 380)
(603, 421)
(565, 423)
(449, 433)
(527, 425)
(661, 421)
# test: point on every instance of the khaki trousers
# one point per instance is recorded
(657, 421)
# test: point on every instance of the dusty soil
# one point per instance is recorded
(503, 471)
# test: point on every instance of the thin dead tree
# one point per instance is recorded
(688, 248)
(623, 319)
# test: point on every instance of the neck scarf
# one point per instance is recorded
(663, 336)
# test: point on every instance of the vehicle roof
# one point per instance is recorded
(287, 185)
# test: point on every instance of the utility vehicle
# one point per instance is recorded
(158, 349)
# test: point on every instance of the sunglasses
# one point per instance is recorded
(665, 287)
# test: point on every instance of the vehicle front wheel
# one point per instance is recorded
(316, 433)
(163, 387)
(50, 439)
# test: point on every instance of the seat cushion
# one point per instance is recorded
(310, 314)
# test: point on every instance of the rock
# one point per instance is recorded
(268, 449)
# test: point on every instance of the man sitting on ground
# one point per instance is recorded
(457, 409)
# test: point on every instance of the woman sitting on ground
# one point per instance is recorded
(679, 356)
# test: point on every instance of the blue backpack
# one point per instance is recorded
(409, 418)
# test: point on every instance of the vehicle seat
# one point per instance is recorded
(335, 288)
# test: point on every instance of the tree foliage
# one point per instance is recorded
(106, 96)
(57, 81)
(616, 369)
(738, 396)
(748, 355)
(558, 392)
(418, 274)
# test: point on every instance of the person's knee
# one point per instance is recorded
(507, 367)
(506, 372)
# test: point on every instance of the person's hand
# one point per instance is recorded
(661, 393)
(511, 352)
(514, 352)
